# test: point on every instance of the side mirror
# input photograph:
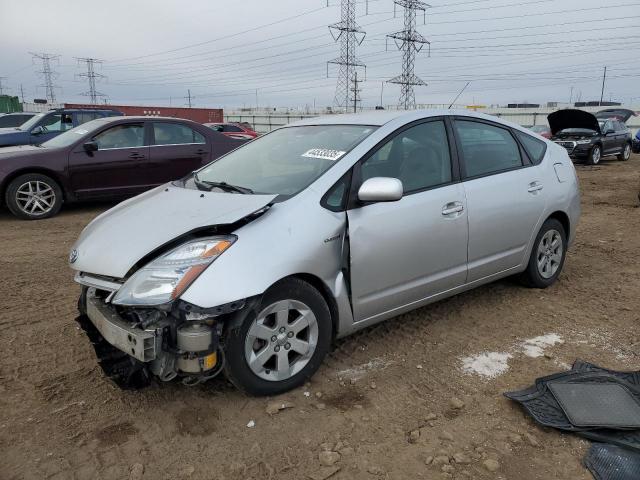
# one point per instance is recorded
(381, 189)
(39, 130)
(90, 147)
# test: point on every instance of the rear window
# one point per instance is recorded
(535, 148)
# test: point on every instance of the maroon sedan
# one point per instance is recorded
(112, 157)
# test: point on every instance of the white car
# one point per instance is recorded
(253, 264)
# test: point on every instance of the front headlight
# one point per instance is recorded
(583, 142)
(168, 276)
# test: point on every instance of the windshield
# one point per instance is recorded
(71, 136)
(287, 160)
(29, 124)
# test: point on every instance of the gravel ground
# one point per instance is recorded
(403, 399)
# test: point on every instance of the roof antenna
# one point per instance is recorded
(458, 96)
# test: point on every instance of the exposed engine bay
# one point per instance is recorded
(135, 344)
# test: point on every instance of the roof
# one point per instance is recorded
(381, 117)
(141, 118)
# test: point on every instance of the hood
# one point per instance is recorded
(572, 119)
(116, 240)
(22, 151)
(621, 114)
(11, 136)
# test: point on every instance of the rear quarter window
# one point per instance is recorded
(535, 148)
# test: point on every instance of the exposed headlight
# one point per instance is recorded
(583, 142)
(168, 276)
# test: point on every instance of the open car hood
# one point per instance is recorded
(621, 114)
(119, 238)
(571, 118)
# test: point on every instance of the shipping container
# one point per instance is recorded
(200, 115)
(9, 104)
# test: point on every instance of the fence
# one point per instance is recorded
(264, 122)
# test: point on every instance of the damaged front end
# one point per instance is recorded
(134, 344)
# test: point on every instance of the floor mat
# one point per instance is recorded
(600, 405)
(608, 462)
(540, 402)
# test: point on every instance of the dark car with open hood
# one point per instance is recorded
(590, 137)
(106, 158)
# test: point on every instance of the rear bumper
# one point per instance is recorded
(140, 344)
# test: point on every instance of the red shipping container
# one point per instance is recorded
(200, 115)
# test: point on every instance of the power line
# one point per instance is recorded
(91, 77)
(410, 41)
(349, 34)
(48, 74)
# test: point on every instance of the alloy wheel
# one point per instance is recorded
(549, 254)
(35, 197)
(595, 156)
(281, 340)
(627, 152)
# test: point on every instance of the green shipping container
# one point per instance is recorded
(9, 104)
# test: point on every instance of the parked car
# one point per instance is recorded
(636, 143)
(111, 157)
(42, 127)
(254, 263)
(586, 137)
(235, 130)
(12, 120)
(541, 130)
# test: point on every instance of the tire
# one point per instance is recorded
(251, 353)
(42, 191)
(536, 275)
(626, 153)
(595, 155)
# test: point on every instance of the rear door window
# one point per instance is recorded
(175, 134)
(486, 149)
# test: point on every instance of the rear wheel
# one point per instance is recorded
(547, 256)
(595, 155)
(626, 152)
(33, 196)
(283, 343)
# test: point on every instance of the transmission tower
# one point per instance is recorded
(355, 92)
(350, 35)
(47, 74)
(410, 42)
(91, 77)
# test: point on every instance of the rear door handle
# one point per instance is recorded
(452, 208)
(200, 151)
(534, 187)
(136, 155)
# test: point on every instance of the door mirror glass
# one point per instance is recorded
(381, 189)
(90, 147)
(37, 130)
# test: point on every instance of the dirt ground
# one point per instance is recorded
(60, 419)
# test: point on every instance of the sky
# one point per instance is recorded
(275, 53)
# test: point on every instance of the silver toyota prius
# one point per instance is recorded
(255, 263)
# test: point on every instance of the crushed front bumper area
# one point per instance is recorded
(134, 345)
(140, 344)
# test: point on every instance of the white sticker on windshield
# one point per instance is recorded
(324, 153)
(81, 132)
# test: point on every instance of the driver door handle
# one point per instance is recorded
(136, 156)
(451, 209)
(534, 187)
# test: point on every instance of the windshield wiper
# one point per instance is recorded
(207, 185)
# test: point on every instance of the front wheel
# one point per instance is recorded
(595, 155)
(547, 256)
(282, 343)
(626, 153)
(33, 196)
